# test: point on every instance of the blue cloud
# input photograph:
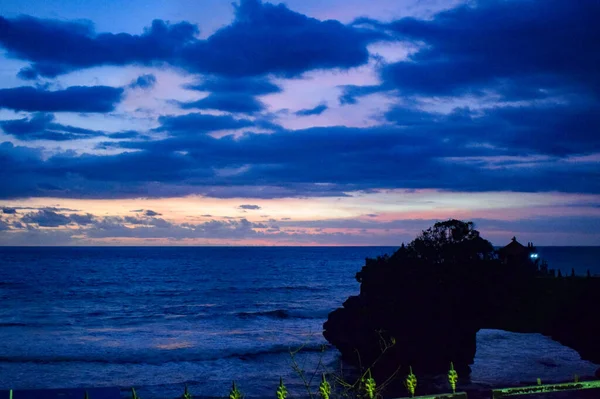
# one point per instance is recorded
(143, 82)
(249, 207)
(263, 39)
(318, 110)
(229, 102)
(40, 126)
(350, 93)
(46, 218)
(232, 94)
(128, 134)
(425, 150)
(57, 47)
(255, 86)
(516, 49)
(83, 220)
(196, 123)
(72, 99)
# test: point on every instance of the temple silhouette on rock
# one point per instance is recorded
(432, 296)
(524, 257)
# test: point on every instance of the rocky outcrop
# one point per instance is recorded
(432, 297)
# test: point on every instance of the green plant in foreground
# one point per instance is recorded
(324, 388)
(134, 394)
(576, 378)
(452, 377)
(86, 396)
(411, 383)
(10, 394)
(369, 385)
(186, 393)
(281, 390)
(539, 381)
(234, 393)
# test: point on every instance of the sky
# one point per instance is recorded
(306, 122)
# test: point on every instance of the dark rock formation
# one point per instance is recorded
(432, 296)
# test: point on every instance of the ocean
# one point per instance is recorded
(156, 318)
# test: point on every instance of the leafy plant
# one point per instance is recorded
(134, 394)
(369, 385)
(235, 393)
(359, 387)
(186, 393)
(452, 377)
(281, 390)
(411, 383)
(324, 388)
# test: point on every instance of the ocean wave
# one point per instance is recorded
(283, 288)
(282, 314)
(13, 324)
(160, 357)
(13, 285)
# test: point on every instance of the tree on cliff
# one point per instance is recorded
(452, 246)
(451, 241)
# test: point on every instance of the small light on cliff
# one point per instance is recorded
(533, 256)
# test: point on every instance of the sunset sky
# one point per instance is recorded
(307, 122)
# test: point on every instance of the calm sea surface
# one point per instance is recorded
(157, 318)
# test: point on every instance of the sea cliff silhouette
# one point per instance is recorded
(432, 296)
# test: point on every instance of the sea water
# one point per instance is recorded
(157, 318)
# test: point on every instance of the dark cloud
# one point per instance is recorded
(57, 47)
(264, 38)
(72, 99)
(520, 50)
(46, 218)
(82, 219)
(351, 92)
(129, 134)
(40, 126)
(294, 232)
(253, 86)
(196, 123)
(9, 211)
(159, 228)
(229, 102)
(525, 148)
(146, 221)
(151, 213)
(248, 206)
(318, 110)
(146, 81)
